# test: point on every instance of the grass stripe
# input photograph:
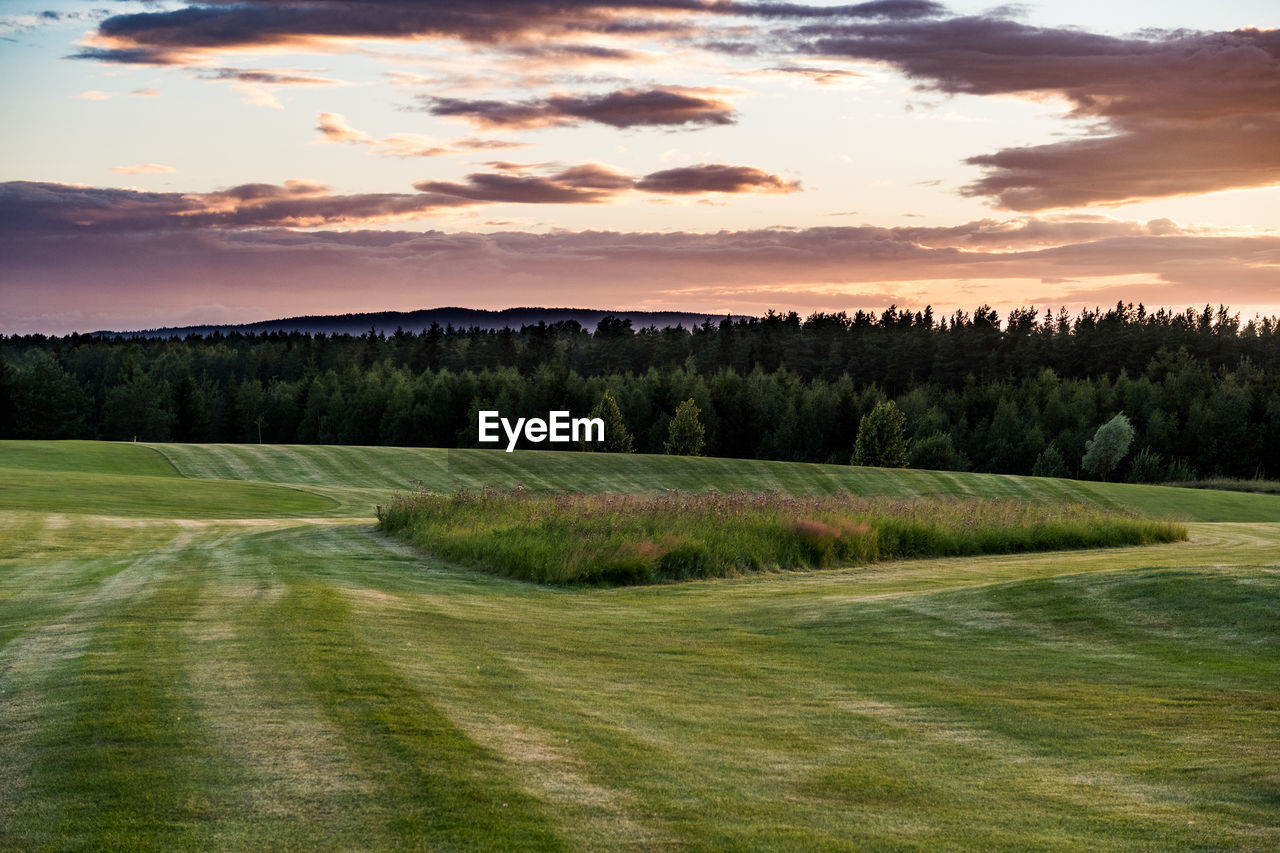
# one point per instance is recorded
(123, 760)
(446, 470)
(440, 787)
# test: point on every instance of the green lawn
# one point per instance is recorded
(368, 472)
(254, 667)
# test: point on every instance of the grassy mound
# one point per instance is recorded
(626, 539)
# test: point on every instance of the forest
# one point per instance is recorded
(1020, 394)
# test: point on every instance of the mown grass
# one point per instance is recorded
(126, 479)
(626, 539)
(153, 497)
(275, 683)
(360, 477)
(317, 687)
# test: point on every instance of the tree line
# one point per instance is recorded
(1020, 394)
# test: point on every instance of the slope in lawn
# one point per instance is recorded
(449, 470)
(130, 480)
(86, 457)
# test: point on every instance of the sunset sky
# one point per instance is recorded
(169, 163)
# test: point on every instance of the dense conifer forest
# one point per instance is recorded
(1018, 394)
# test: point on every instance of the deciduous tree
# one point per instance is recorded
(1109, 444)
(882, 438)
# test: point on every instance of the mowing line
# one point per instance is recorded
(439, 785)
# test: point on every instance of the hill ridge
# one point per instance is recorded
(420, 320)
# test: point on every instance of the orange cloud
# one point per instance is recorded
(333, 127)
(144, 169)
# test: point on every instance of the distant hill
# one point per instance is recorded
(416, 321)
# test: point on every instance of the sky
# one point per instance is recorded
(171, 163)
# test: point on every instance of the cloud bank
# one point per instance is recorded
(74, 257)
(1160, 114)
(1172, 113)
(34, 207)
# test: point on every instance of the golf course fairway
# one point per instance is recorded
(212, 648)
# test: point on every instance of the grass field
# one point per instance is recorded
(212, 648)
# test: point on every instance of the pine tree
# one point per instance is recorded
(685, 435)
(616, 437)
(1050, 463)
(48, 401)
(8, 384)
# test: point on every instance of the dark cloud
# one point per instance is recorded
(1164, 113)
(713, 178)
(592, 183)
(266, 76)
(822, 76)
(660, 106)
(127, 55)
(32, 207)
(32, 20)
(570, 54)
(1143, 160)
(899, 10)
(176, 36)
(42, 208)
(1170, 113)
(587, 184)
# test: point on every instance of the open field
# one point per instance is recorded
(211, 647)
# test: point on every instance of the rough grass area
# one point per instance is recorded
(1228, 484)
(627, 539)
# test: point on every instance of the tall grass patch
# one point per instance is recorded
(633, 539)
